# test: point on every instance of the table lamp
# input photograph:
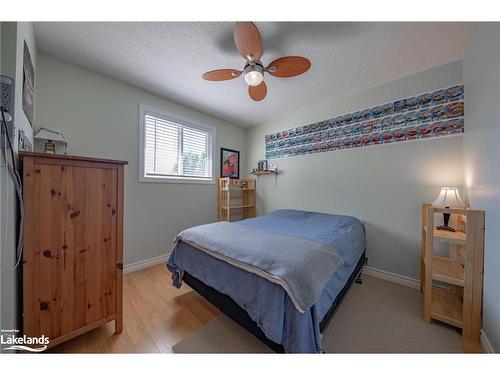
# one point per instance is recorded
(448, 198)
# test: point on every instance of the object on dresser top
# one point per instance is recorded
(51, 138)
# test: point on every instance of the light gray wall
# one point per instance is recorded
(13, 36)
(99, 117)
(383, 185)
(482, 158)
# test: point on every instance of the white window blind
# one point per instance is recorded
(174, 149)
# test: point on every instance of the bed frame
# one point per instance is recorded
(232, 310)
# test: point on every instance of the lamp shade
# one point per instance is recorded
(448, 197)
(50, 134)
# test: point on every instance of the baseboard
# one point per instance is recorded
(132, 267)
(486, 344)
(393, 277)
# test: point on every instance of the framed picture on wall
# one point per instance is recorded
(28, 84)
(229, 163)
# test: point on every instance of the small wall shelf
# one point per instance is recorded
(263, 173)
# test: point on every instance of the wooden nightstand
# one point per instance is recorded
(453, 286)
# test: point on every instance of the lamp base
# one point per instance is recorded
(445, 227)
(446, 220)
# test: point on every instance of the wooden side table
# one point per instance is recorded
(453, 286)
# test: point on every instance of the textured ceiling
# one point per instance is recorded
(169, 58)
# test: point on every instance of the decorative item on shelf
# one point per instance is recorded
(229, 163)
(448, 198)
(262, 166)
(51, 137)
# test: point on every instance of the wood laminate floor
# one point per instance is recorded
(156, 317)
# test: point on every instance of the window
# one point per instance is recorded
(173, 148)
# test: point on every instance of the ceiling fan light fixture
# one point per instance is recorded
(254, 75)
(248, 42)
(254, 78)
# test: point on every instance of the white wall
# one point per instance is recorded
(99, 117)
(383, 185)
(13, 36)
(482, 158)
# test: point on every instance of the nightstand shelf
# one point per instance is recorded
(457, 237)
(447, 271)
(453, 285)
(447, 307)
(237, 199)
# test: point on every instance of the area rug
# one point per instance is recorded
(375, 317)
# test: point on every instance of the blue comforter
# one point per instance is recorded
(299, 265)
(267, 303)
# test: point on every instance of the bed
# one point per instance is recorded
(263, 307)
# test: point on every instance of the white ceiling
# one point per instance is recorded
(169, 58)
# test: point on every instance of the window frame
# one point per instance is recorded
(182, 121)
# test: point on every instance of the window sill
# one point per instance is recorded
(180, 180)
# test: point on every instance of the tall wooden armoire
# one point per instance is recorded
(73, 237)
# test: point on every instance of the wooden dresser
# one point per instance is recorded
(73, 237)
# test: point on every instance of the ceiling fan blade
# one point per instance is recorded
(221, 74)
(248, 41)
(289, 66)
(259, 92)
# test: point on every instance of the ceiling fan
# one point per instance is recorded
(249, 44)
